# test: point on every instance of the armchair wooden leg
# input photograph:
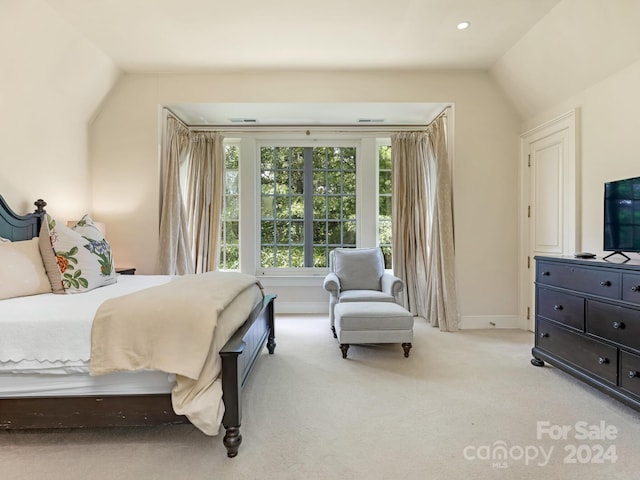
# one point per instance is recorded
(333, 329)
(406, 347)
(344, 347)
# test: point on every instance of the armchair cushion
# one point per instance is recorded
(365, 296)
(358, 269)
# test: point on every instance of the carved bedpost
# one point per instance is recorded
(40, 204)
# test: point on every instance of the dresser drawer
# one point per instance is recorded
(583, 279)
(631, 288)
(561, 307)
(614, 323)
(593, 356)
(630, 372)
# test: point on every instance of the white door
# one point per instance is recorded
(549, 178)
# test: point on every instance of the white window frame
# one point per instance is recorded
(386, 142)
(235, 143)
(366, 145)
(305, 143)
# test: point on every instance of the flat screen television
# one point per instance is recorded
(622, 216)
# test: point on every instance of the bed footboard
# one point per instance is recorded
(238, 355)
(238, 358)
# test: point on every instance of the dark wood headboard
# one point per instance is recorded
(21, 227)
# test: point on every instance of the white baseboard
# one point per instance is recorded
(471, 322)
(468, 322)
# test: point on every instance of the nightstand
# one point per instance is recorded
(126, 270)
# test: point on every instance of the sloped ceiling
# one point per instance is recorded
(579, 43)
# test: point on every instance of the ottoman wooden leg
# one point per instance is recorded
(333, 329)
(344, 347)
(406, 347)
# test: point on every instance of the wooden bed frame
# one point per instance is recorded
(238, 355)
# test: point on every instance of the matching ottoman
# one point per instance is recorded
(373, 322)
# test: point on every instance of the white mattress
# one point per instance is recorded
(51, 333)
(78, 384)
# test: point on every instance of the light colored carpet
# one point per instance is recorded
(309, 414)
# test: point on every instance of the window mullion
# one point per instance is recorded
(308, 206)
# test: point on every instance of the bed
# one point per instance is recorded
(66, 396)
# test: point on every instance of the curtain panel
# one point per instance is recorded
(205, 197)
(175, 255)
(422, 223)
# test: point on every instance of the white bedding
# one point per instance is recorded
(51, 333)
(45, 343)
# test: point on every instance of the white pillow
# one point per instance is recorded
(77, 259)
(22, 272)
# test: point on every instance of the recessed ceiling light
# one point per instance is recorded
(464, 25)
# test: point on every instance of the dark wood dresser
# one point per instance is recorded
(588, 322)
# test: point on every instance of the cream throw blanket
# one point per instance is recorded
(171, 328)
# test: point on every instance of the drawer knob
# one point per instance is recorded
(633, 374)
(635, 288)
(618, 325)
(544, 335)
(605, 283)
(558, 307)
(603, 360)
(546, 274)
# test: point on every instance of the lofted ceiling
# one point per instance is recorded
(186, 36)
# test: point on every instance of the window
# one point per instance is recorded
(230, 235)
(384, 202)
(307, 204)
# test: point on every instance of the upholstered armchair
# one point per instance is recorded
(357, 275)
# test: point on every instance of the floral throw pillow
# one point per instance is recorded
(76, 259)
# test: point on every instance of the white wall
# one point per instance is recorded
(51, 82)
(604, 90)
(124, 161)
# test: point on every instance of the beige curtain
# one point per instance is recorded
(409, 217)
(205, 196)
(442, 309)
(175, 256)
(423, 253)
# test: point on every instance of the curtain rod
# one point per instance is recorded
(176, 118)
(228, 129)
(308, 130)
(443, 113)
